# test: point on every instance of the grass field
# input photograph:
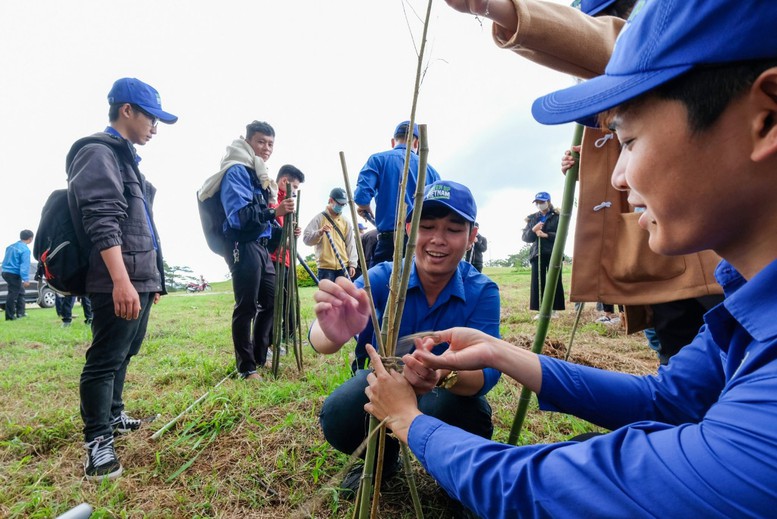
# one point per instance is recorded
(249, 449)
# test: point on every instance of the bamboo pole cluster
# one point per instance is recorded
(287, 326)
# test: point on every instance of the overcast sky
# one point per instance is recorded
(329, 77)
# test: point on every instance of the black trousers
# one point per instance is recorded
(384, 250)
(677, 322)
(538, 285)
(114, 342)
(14, 302)
(65, 307)
(253, 281)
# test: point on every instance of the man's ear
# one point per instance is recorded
(764, 125)
(473, 233)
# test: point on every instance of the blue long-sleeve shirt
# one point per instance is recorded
(380, 178)
(698, 439)
(469, 299)
(17, 260)
(238, 191)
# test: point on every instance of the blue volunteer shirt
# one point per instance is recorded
(237, 191)
(469, 299)
(17, 260)
(380, 178)
(698, 439)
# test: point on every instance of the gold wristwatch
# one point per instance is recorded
(449, 380)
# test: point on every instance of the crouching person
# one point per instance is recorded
(443, 291)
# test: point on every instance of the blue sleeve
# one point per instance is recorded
(24, 266)
(711, 469)
(237, 192)
(486, 319)
(681, 392)
(368, 182)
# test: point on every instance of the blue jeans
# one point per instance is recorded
(330, 274)
(114, 342)
(345, 423)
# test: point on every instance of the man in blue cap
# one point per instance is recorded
(691, 90)
(380, 178)
(443, 291)
(111, 206)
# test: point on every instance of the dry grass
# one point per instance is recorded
(249, 450)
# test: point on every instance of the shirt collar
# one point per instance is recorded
(751, 302)
(112, 131)
(454, 287)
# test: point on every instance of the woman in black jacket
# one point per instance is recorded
(540, 231)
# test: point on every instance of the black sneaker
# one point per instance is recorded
(101, 461)
(350, 484)
(125, 424)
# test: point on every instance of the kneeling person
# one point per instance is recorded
(443, 291)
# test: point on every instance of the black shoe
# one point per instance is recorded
(350, 484)
(125, 424)
(101, 461)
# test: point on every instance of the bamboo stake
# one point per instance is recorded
(550, 282)
(172, 422)
(574, 329)
(415, 221)
(362, 256)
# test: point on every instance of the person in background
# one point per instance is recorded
(16, 272)
(540, 231)
(380, 178)
(247, 196)
(475, 254)
(332, 237)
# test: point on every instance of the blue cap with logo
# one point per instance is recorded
(401, 130)
(542, 196)
(662, 40)
(456, 197)
(134, 91)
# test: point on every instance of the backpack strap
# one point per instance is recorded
(336, 228)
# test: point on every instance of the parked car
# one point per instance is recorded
(37, 292)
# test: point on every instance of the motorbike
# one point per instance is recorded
(198, 287)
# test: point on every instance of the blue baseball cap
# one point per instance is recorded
(542, 196)
(401, 130)
(661, 40)
(134, 91)
(456, 197)
(592, 7)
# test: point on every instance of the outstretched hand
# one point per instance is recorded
(468, 350)
(391, 395)
(342, 310)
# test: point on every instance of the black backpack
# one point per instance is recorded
(212, 217)
(62, 261)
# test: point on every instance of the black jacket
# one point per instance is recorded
(111, 204)
(550, 227)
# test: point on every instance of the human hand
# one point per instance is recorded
(569, 160)
(342, 310)
(126, 302)
(468, 350)
(421, 377)
(351, 272)
(285, 207)
(538, 227)
(542, 234)
(365, 211)
(157, 297)
(25, 284)
(391, 396)
(297, 231)
(327, 227)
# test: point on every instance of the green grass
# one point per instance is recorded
(248, 449)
